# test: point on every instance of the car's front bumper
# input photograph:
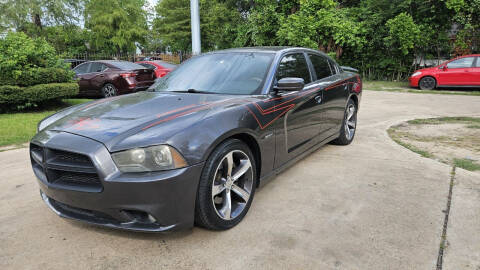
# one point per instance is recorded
(413, 81)
(156, 201)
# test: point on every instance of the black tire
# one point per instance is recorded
(109, 90)
(207, 214)
(427, 83)
(349, 125)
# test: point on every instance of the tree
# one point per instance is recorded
(18, 14)
(403, 33)
(467, 15)
(173, 24)
(218, 24)
(320, 25)
(116, 25)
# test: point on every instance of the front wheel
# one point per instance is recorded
(349, 125)
(427, 83)
(227, 186)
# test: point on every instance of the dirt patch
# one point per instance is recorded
(452, 140)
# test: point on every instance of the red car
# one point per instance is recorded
(111, 77)
(463, 71)
(160, 68)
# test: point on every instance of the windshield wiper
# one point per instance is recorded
(191, 90)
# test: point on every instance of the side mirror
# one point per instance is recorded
(443, 67)
(290, 84)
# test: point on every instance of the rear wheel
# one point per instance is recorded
(427, 83)
(227, 186)
(109, 90)
(349, 125)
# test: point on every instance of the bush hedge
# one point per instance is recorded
(39, 76)
(13, 97)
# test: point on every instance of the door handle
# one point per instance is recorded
(318, 99)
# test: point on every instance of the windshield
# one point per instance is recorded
(220, 73)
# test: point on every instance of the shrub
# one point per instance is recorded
(18, 98)
(40, 76)
(25, 61)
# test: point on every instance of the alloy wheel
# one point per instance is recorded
(350, 121)
(427, 83)
(109, 90)
(232, 185)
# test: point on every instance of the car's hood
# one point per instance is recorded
(427, 69)
(114, 119)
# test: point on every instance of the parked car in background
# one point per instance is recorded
(161, 68)
(195, 146)
(111, 77)
(74, 62)
(462, 71)
(150, 58)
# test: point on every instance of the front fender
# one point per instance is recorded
(198, 141)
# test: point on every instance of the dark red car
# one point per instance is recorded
(463, 71)
(111, 77)
(161, 68)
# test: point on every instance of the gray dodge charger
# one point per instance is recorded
(193, 148)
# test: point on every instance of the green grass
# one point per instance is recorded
(384, 85)
(441, 120)
(18, 128)
(392, 132)
(405, 88)
(466, 164)
(467, 142)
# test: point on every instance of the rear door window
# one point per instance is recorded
(81, 69)
(293, 66)
(334, 67)
(321, 66)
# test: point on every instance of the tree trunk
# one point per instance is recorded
(37, 21)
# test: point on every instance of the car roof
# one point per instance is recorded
(267, 49)
(110, 61)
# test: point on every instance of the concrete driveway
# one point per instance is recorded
(370, 205)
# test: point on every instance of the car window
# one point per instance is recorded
(333, 66)
(478, 62)
(321, 66)
(81, 69)
(97, 67)
(147, 65)
(465, 62)
(294, 66)
(124, 65)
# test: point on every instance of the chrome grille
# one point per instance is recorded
(63, 169)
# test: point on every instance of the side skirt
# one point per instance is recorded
(267, 178)
(459, 86)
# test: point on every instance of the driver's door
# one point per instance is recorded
(457, 72)
(297, 130)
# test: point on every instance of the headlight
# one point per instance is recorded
(416, 73)
(153, 158)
